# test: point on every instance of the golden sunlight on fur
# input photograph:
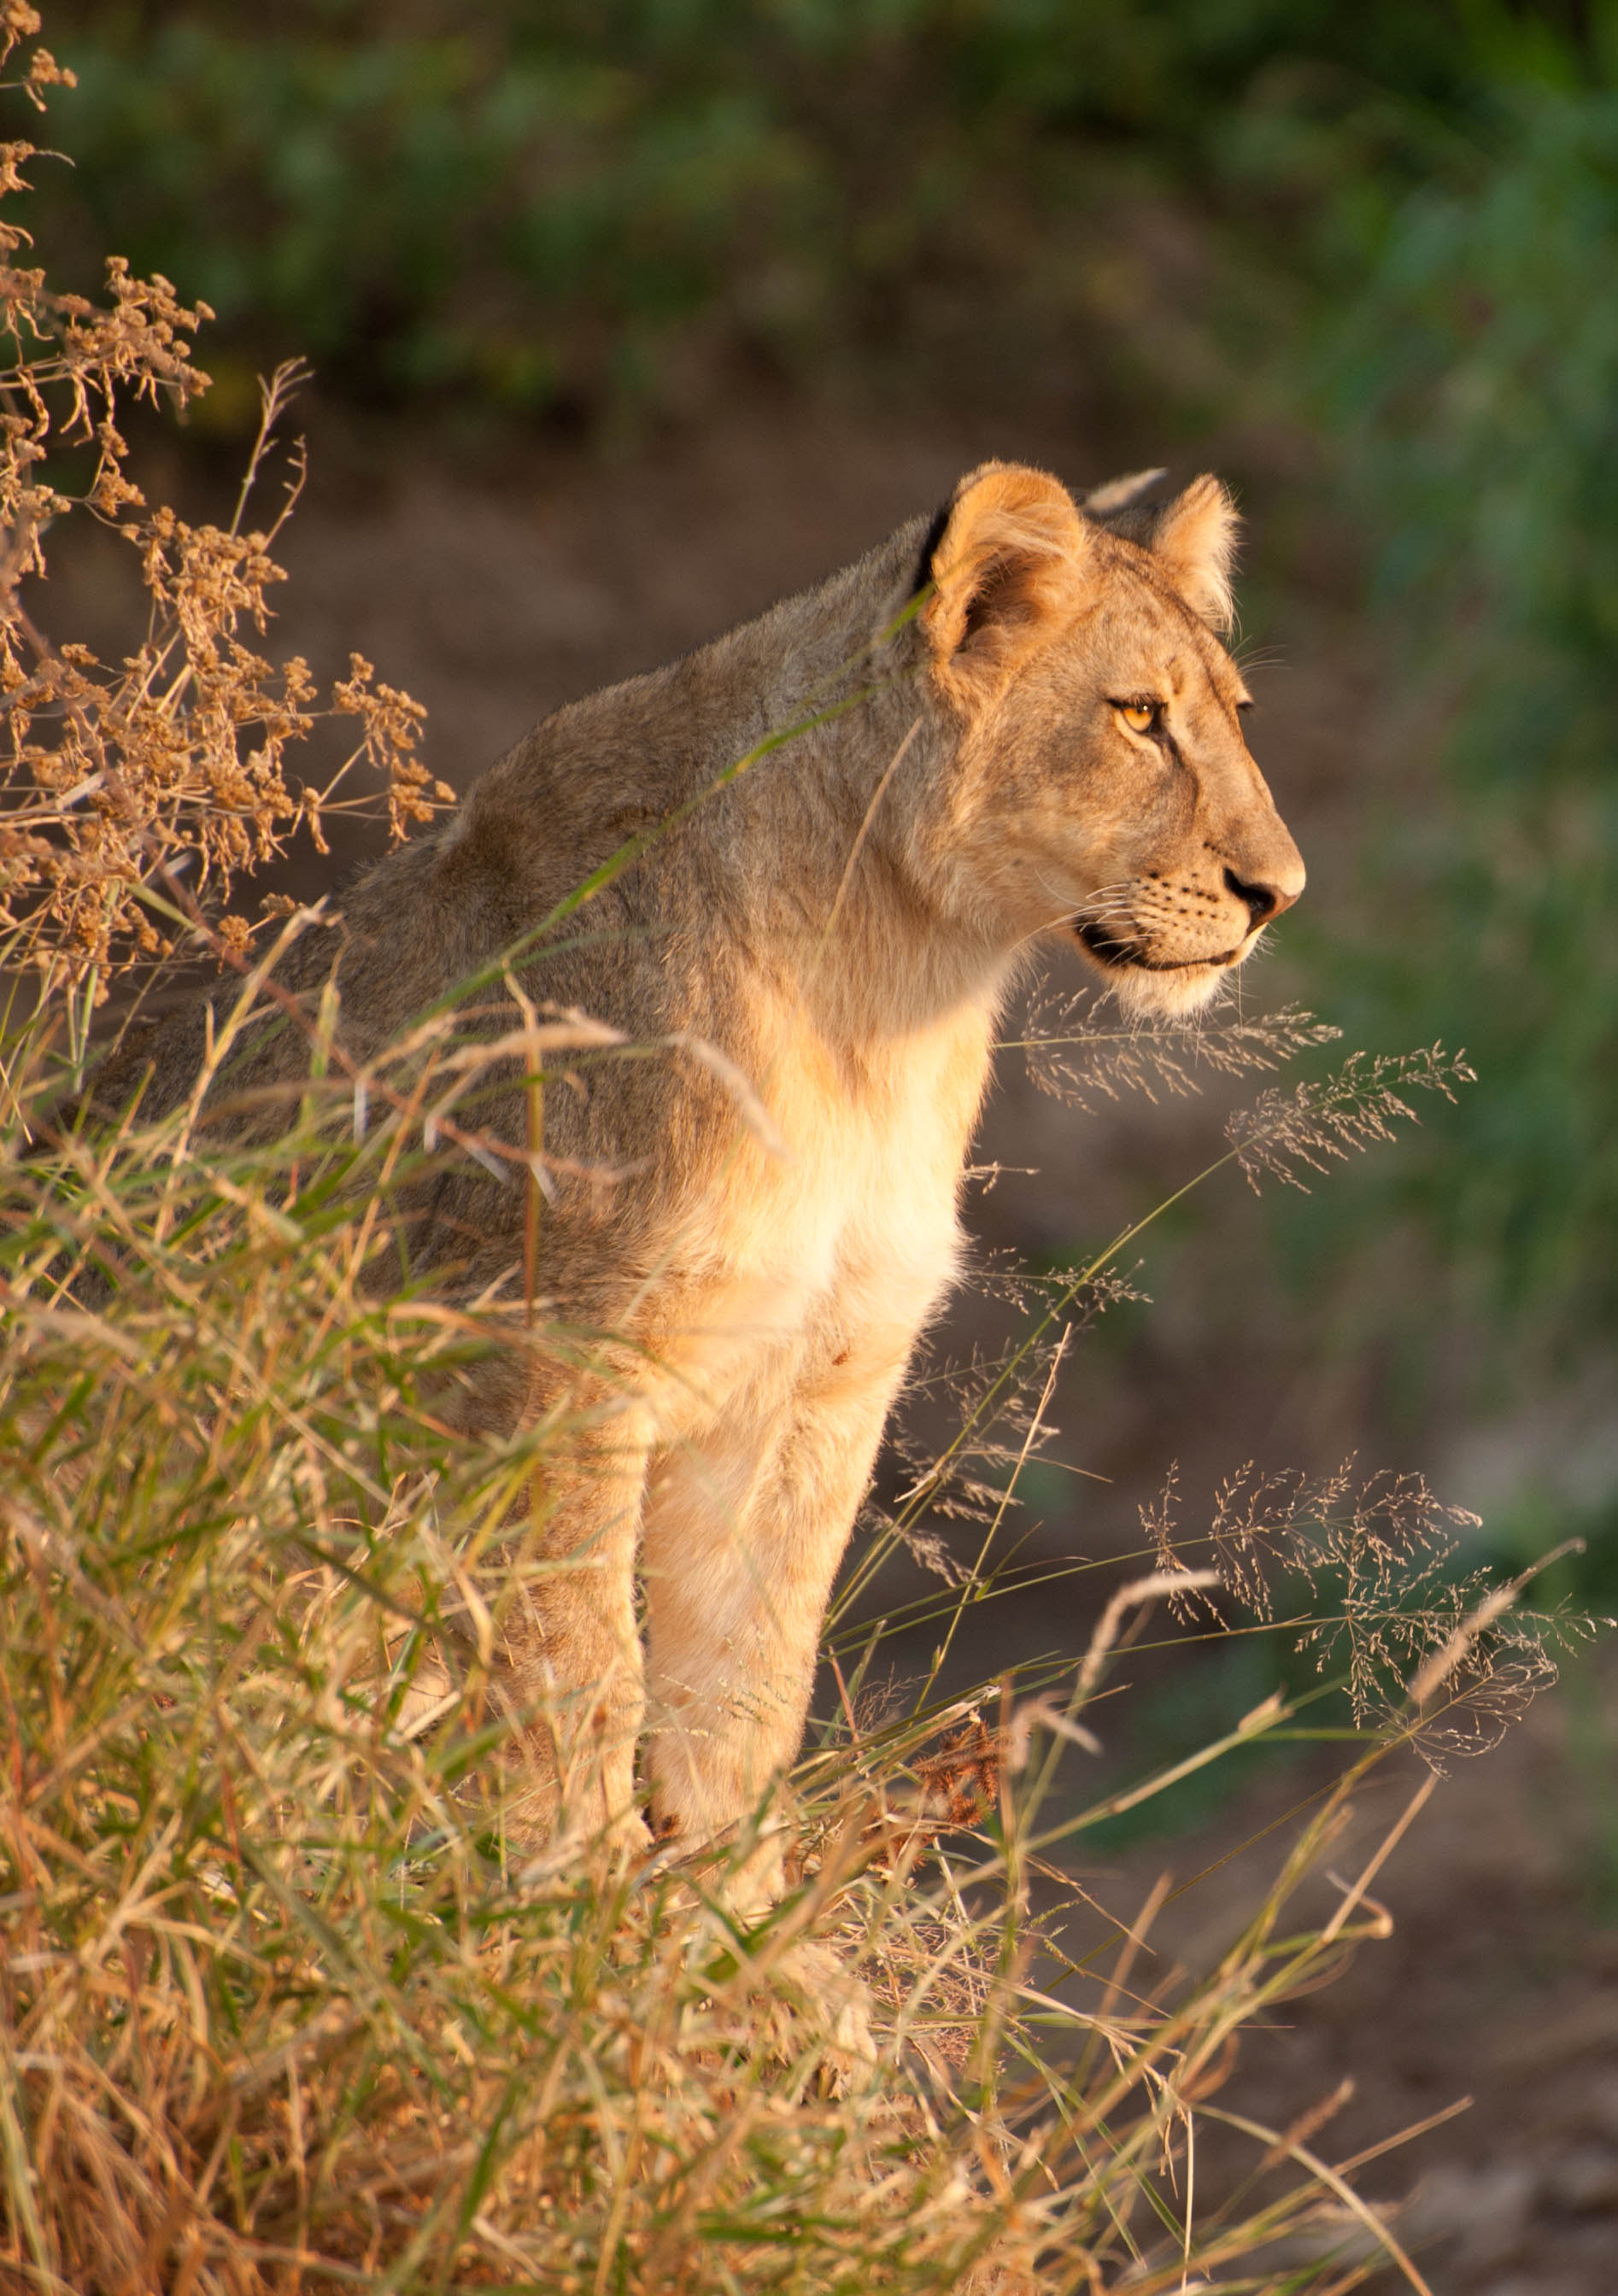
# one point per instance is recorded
(1014, 724)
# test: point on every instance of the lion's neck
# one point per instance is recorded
(777, 774)
(816, 834)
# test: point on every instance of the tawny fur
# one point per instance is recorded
(843, 922)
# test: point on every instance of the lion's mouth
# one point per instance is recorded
(1128, 957)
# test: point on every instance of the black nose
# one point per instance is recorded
(1263, 901)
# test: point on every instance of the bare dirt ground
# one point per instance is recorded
(1497, 1984)
(496, 593)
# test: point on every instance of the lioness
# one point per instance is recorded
(1018, 725)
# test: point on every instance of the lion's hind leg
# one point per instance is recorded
(566, 1666)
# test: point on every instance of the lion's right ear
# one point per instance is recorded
(1009, 560)
(1193, 537)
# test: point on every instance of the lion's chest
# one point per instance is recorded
(843, 1248)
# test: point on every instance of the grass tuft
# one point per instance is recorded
(285, 2005)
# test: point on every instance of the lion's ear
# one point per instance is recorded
(1194, 537)
(1010, 559)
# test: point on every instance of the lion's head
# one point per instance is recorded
(1102, 790)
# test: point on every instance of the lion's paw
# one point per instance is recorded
(836, 1999)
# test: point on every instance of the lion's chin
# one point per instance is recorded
(1149, 988)
(1168, 995)
(1157, 992)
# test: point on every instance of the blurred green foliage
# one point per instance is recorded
(1461, 258)
(564, 205)
(1474, 372)
(573, 209)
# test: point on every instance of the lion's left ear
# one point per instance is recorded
(1194, 538)
(1008, 563)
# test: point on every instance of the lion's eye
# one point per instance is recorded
(1140, 717)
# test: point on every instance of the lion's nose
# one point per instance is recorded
(1263, 901)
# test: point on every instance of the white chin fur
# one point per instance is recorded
(1143, 995)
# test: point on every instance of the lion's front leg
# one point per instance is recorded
(742, 1540)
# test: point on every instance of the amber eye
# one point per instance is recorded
(1140, 717)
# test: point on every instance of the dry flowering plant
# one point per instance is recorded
(116, 778)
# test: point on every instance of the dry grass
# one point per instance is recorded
(280, 2009)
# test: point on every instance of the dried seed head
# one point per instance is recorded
(177, 755)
